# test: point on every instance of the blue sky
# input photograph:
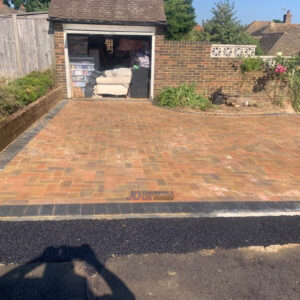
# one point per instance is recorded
(250, 10)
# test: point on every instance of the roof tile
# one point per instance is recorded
(101, 11)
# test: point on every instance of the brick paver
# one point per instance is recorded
(100, 151)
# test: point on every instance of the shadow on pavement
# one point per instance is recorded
(58, 280)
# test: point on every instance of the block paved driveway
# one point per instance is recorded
(94, 152)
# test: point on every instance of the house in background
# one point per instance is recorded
(5, 10)
(277, 37)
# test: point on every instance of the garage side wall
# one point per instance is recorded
(178, 62)
(60, 57)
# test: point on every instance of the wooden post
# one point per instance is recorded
(17, 46)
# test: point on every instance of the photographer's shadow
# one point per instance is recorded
(58, 279)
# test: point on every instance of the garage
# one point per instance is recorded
(107, 48)
(109, 62)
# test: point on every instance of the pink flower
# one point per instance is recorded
(280, 69)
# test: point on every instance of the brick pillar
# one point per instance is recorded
(159, 43)
(60, 57)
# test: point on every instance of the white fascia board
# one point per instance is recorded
(109, 29)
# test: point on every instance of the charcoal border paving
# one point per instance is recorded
(144, 209)
(12, 150)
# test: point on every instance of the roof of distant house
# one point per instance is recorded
(108, 11)
(257, 27)
(6, 10)
(277, 37)
(198, 28)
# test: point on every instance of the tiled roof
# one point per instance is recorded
(256, 27)
(108, 11)
(277, 37)
(288, 44)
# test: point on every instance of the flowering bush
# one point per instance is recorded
(284, 70)
(288, 71)
(280, 69)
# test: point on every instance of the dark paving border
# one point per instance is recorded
(10, 152)
(143, 209)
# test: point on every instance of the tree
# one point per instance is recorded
(180, 17)
(224, 27)
(30, 5)
(277, 21)
(37, 5)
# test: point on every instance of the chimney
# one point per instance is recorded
(1, 3)
(287, 19)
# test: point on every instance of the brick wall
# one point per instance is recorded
(177, 62)
(60, 57)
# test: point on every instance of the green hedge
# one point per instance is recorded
(183, 96)
(24, 91)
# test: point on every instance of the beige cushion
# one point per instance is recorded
(117, 89)
(114, 80)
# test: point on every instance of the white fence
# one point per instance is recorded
(26, 44)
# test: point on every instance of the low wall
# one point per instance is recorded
(177, 62)
(16, 124)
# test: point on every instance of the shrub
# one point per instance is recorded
(295, 91)
(251, 64)
(8, 104)
(29, 88)
(24, 91)
(183, 96)
(287, 69)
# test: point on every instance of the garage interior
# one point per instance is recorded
(109, 65)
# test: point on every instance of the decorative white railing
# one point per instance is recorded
(269, 61)
(232, 51)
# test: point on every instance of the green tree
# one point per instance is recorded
(30, 5)
(180, 17)
(37, 5)
(225, 28)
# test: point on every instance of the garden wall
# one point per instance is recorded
(16, 124)
(177, 62)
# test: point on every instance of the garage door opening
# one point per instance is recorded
(109, 65)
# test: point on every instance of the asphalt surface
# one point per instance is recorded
(244, 273)
(21, 242)
(151, 259)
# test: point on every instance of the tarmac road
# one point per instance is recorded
(151, 259)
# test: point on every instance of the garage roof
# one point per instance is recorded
(108, 11)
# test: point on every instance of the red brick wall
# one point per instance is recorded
(60, 57)
(180, 62)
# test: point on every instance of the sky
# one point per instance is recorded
(250, 10)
